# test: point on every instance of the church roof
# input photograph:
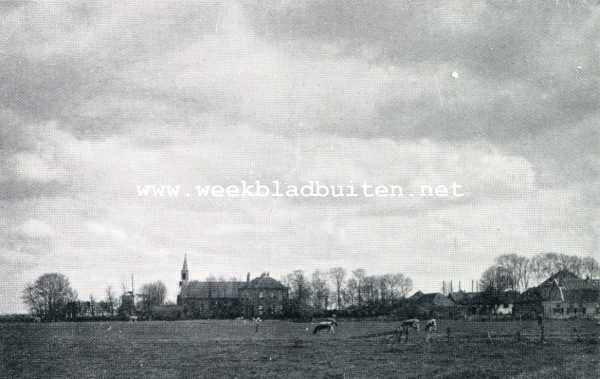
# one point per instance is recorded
(265, 282)
(212, 289)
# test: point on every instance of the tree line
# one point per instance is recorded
(338, 289)
(518, 273)
(51, 298)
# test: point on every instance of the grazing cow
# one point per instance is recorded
(431, 325)
(328, 325)
(133, 318)
(36, 319)
(411, 323)
(406, 325)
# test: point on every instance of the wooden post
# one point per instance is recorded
(448, 333)
(541, 325)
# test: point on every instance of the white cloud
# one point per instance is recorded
(36, 229)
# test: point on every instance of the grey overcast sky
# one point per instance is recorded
(500, 96)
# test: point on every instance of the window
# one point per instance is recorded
(261, 294)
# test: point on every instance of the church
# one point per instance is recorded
(262, 297)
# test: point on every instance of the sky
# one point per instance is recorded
(501, 97)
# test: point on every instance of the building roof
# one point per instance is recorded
(532, 295)
(569, 280)
(264, 282)
(494, 298)
(462, 297)
(416, 295)
(434, 299)
(560, 276)
(229, 289)
(212, 289)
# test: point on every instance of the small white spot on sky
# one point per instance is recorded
(455, 75)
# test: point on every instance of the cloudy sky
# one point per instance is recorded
(501, 97)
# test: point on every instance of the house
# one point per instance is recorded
(416, 295)
(433, 305)
(262, 296)
(563, 295)
(565, 303)
(492, 304)
(462, 303)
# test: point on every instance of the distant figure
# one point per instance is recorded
(257, 322)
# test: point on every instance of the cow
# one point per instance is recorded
(328, 325)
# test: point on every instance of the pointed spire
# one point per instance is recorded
(185, 268)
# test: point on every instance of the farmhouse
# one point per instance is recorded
(262, 296)
(563, 295)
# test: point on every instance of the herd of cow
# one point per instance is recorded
(330, 324)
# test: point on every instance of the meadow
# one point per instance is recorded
(282, 349)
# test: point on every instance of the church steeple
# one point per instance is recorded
(185, 274)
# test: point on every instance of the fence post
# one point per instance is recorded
(541, 325)
(448, 333)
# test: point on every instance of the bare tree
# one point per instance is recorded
(154, 293)
(300, 291)
(590, 267)
(517, 267)
(496, 278)
(400, 285)
(320, 291)
(359, 276)
(48, 296)
(111, 300)
(351, 292)
(338, 275)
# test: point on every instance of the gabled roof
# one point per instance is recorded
(212, 289)
(570, 281)
(264, 282)
(493, 298)
(416, 295)
(462, 297)
(532, 295)
(434, 299)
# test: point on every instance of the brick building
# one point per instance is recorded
(259, 297)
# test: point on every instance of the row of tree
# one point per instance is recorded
(338, 289)
(51, 298)
(517, 273)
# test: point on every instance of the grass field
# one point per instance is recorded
(280, 349)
